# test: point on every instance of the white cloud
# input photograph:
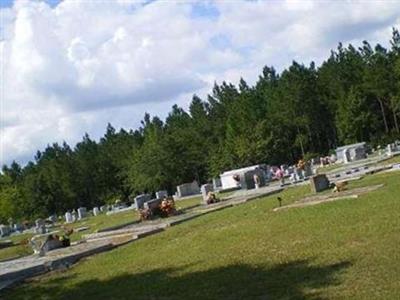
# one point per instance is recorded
(70, 69)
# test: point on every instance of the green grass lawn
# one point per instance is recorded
(20, 247)
(339, 250)
(102, 221)
(392, 160)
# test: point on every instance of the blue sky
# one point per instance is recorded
(72, 66)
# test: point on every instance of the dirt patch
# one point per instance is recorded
(317, 199)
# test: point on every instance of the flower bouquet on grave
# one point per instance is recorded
(167, 207)
(145, 214)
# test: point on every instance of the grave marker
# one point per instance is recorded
(82, 213)
(319, 183)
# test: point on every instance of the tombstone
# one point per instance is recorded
(4, 230)
(82, 213)
(74, 216)
(217, 184)
(40, 227)
(307, 170)
(96, 211)
(103, 208)
(188, 189)
(319, 183)
(18, 227)
(51, 244)
(247, 180)
(346, 156)
(205, 189)
(358, 153)
(389, 149)
(152, 204)
(161, 194)
(68, 217)
(52, 218)
(141, 199)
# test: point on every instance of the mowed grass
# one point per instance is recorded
(348, 249)
(22, 248)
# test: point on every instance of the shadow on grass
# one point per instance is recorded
(295, 280)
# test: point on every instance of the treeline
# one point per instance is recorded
(353, 96)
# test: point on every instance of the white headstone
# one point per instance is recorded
(346, 156)
(96, 211)
(81, 213)
(68, 217)
(389, 149)
(205, 189)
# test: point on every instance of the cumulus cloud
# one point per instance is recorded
(71, 68)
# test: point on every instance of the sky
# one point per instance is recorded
(70, 67)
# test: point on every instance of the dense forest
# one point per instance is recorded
(305, 110)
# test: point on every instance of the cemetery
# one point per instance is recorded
(93, 236)
(297, 246)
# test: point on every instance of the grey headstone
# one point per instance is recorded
(161, 194)
(81, 213)
(103, 208)
(4, 230)
(52, 218)
(18, 227)
(319, 183)
(39, 222)
(141, 199)
(152, 204)
(188, 189)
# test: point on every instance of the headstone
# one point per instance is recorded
(141, 199)
(217, 184)
(205, 189)
(18, 227)
(307, 170)
(319, 183)
(4, 230)
(188, 189)
(161, 194)
(346, 156)
(40, 227)
(103, 208)
(389, 149)
(68, 217)
(51, 244)
(247, 181)
(81, 213)
(152, 204)
(74, 216)
(96, 211)
(52, 218)
(39, 222)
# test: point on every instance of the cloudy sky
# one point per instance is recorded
(70, 67)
